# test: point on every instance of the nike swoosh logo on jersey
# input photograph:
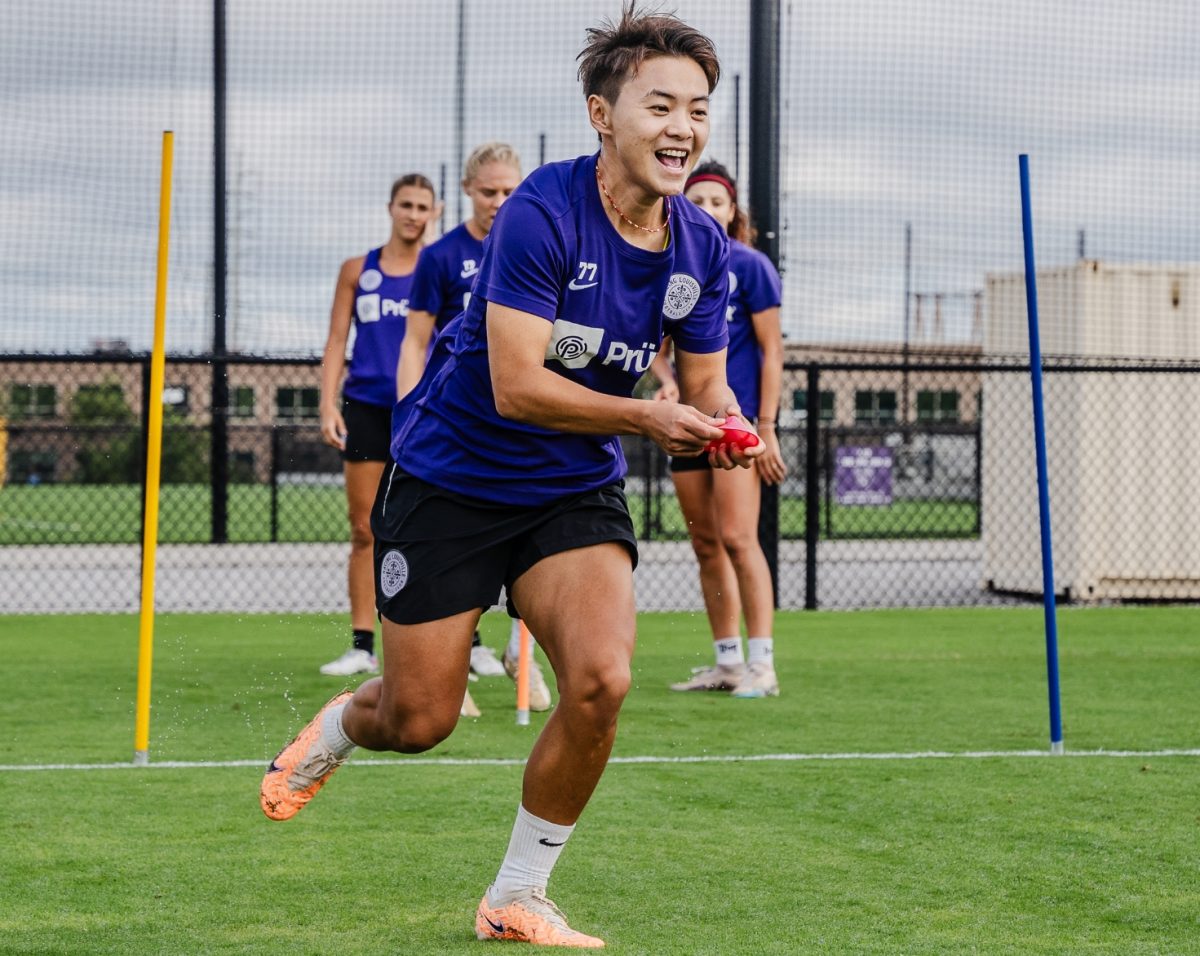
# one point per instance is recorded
(575, 286)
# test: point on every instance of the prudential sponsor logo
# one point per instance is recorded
(574, 346)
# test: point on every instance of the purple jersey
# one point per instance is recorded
(381, 304)
(753, 287)
(446, 274)
(553, 253)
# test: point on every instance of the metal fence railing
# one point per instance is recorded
(901, 491)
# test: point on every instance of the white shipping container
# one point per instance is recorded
(1123, 450)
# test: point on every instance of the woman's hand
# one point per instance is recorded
(333, 428)
(770, 465)
(679, 429)
(727, 457)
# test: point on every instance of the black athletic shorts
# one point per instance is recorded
(690, 463)
(438, 553)
(368, 431)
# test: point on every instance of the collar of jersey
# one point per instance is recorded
(610, 232)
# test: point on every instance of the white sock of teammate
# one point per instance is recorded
(533, 850)
(514, 641)
(729, 651)
(762, 649)
(333, 735)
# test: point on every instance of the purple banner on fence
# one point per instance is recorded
(863, 475)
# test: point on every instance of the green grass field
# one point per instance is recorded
(1001, 854)
(111, 514)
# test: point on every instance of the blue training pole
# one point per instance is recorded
(1039, 437)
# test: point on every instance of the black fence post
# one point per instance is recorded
(765, 200)
(657, 464)
(768, 532)
(219, 401)
(812, 485)
(764, 124)
(647, 453)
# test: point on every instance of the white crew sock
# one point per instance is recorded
(762, 649)
(514, 641)
(729, 651)
(533, 850)
(333, 735)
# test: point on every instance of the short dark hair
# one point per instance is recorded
(411, 179)
(613, 53)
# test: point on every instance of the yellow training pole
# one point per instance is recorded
(141, 734)
(524, 654)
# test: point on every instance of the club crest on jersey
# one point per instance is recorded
(370, 280)
(366, 307)
(572, 344)
(393, 573)
(683, 292)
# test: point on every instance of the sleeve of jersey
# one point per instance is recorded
(525, 266)
(706, 329)
(426, 293)
(762, 286)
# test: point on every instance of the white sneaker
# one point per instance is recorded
(484, 662)
(758, 681)
(539, 693)
(723, 677)
(469, 707)
(354, 661)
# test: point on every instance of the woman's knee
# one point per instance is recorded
(706, 546)
(360, 536)
(739, 543)
(419, 731)
(599, 692)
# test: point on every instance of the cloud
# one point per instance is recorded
(892, 114)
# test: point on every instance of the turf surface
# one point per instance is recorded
(927, 856)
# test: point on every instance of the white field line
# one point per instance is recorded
(712, 758)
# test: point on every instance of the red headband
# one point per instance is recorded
(713, 178)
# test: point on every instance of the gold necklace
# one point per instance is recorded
(624, 218)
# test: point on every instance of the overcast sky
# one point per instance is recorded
(892, 114)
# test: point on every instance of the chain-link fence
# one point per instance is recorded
(919, 497)
(905, 419)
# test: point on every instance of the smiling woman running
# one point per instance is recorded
(511, 467)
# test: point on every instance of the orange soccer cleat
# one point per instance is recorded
(300, 769)
(530, 919)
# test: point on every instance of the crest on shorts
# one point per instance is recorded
(393, 573)
(683, 292)
(370, 280)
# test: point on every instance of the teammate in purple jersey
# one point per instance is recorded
(447, 268)
(510, 469)
(372, 297)
(721, 507)
(442, 284)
